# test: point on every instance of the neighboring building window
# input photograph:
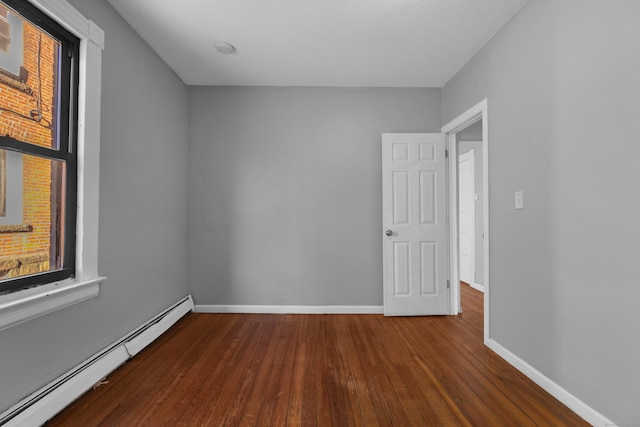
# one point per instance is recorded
(38, 128)
(5, 30)
(11, 179)
(3, 184)
(11, 48)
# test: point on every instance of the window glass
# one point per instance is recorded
(29, 71)
(34, 244)
(10, 178)
(37, 149)
(11, 51)
(3, 184)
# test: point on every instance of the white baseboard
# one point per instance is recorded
(290, 309)
(477, 287)
(40, 411)
(589, 414)
(45, 403)
(159, 326)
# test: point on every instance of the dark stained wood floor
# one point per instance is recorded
(320, 370)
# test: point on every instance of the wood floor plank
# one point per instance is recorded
(283, 377)
(309, 403)
(361, 392)
(269, 351)
(320, 370)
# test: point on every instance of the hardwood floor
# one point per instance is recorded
(324, 370)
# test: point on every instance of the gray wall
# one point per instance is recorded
(285, 191)
(563, 91)
(471, 133)
(475, 143)
(143, 213)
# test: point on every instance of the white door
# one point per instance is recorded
(414, 208)
(466, 209)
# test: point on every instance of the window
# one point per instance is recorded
(29, 303)
(11, 176)
(37, 139)
(5, 30)
(3, 185)
(11, 48)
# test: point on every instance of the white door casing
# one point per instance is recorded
(466, 218)
(480, 111)
(414, 217)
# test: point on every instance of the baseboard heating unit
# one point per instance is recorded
(42, 405)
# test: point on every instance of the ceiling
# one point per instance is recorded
(344, 43)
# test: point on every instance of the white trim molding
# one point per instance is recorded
(28, 304)
(469, 117)
(589, 414)
(291, 309)
(42, 405)
(73, 21)
(19, 307)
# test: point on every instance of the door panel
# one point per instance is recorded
(400, 198)
(428, 200)
(415, 256)
(428, 267)
(401, 268)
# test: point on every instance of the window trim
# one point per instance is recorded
(28, 304)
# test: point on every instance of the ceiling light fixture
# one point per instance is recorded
(225, 48)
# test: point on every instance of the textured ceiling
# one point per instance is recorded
(378, 43)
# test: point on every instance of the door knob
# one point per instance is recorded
(389, 233)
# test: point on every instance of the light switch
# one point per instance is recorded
(519, 200)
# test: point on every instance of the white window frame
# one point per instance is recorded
(28, 304)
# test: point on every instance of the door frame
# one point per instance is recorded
(472, 115)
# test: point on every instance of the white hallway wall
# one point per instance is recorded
(285, 191)
(563, 84)
(474, 133)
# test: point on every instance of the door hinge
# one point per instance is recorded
(446, 154)
(448, 284)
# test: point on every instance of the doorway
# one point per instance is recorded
(471, 126)
(470, 206)
(466, 214)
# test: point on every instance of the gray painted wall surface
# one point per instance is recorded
(471, 133)
(463, 147)
(285, 191)
(563, 91)
(143, 213)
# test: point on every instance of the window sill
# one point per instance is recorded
(16, 81)
(17, 228)
(19, 307)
